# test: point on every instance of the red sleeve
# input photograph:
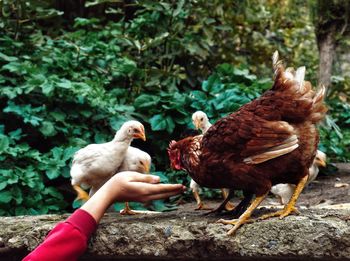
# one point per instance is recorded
(67, 240)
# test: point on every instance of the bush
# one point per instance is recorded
(63, 87)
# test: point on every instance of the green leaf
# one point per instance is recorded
(66, 84)
(48, 129)
(47, 88)
(3, 185)
(5, 196)
(4, 143)
(16, 134)
(158, 122)
(57, 153)
(69, 152)
(170, 124)
(17, 195)
(6, 58)
(159, 205)
(53, 192)
(145, 101)
(58, 115)
(53, 173)
(77, 204)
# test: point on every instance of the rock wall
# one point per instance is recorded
(318, 234)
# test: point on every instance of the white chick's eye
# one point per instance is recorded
(201, 119)
(141, 162)
(136, 130)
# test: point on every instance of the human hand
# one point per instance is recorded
(129, 186)
(133, 186)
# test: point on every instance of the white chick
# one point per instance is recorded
(96, 163)
(285, 191)
(135, 160)
(200, 121)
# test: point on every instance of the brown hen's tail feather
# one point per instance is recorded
(318, 107)
(300, 100)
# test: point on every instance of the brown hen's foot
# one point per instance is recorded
(281, 213)
(127, 210)
(245, 217)
(234, 221)
(290, 207)
(82, 194)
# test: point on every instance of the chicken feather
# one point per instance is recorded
(276, 132)
(95, 163)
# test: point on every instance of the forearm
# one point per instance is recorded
(67, 241)
(97, 205)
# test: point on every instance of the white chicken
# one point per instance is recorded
(285, 191)
(96, 163)
(135, 160)
(200, 121)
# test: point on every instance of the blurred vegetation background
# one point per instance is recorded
(71, 72)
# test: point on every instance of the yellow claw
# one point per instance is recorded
(245, 217)
(290, 207)
(127, 210)
(200, 204)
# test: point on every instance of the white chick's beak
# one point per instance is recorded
(140, 135)
(320, 162)
(197, 124)
(147, 167)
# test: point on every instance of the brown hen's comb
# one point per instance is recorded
(171, 144)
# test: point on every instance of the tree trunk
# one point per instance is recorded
(326, 46)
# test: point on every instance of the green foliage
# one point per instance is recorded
(335, 132)
(67, 81)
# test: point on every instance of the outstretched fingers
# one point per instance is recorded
(157, 191)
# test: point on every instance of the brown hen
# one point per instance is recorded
(271, 140)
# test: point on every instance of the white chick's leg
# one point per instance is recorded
(195, 190)
(127, 210)
(229, 206)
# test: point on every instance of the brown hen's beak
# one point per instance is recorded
(320, 162)
(141, 135)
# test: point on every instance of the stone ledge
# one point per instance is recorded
(319, 234)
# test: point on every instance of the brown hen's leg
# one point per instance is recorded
(82, 195)
(229, 206)
(290, 207)
(245, 217)
(200, 204)
(127, 210)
